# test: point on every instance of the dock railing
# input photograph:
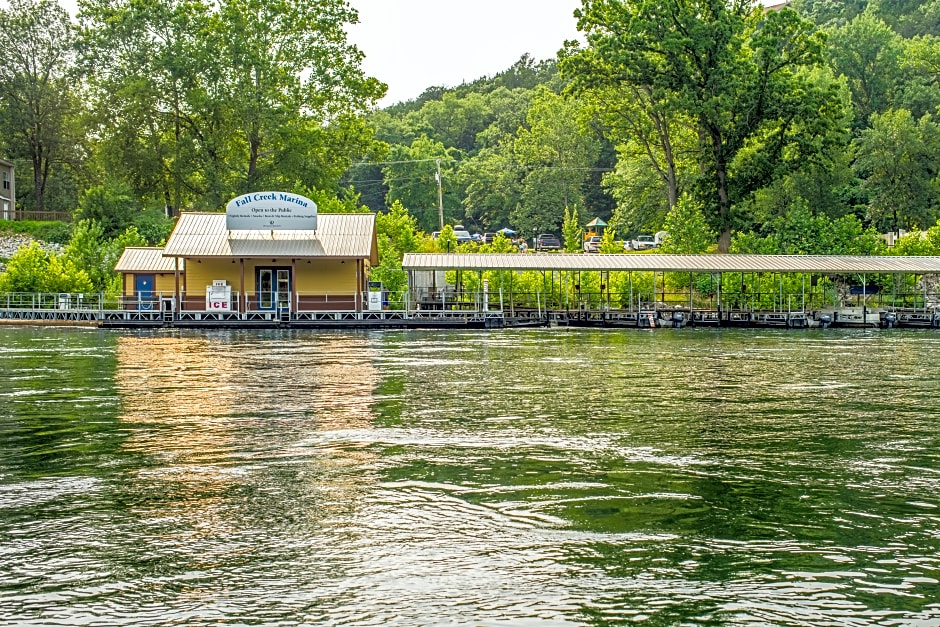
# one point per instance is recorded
(44, 301)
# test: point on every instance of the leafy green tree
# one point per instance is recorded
(558, 152)
(609, 245)
(688, 230)
(896, 156)
(283, 111)
(571, 231)
(153, 226)
(411, 177)
(158, 127)
(919, 243)
(38, 108)
(867, 53)
(685, 51)
(397, 234)
(456, 121)
(400, 227)
(111, 207)
(32, 269)
(920, 62)
(826, 12)
(87, 251)
(799, 232)
(491, 181)
(96, 254)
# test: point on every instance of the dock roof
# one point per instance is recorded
(815, 264)
(338, 236)
(146, 259)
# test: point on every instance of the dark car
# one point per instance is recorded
(547, 241)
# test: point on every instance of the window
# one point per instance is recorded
(6, 180)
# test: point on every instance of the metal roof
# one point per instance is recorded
(146, 260)
(338, 235)
(818, 264)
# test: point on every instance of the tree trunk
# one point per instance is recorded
(39, 181)
(724, 205)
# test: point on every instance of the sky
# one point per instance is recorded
(414, 44)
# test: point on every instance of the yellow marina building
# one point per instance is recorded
(269, 256)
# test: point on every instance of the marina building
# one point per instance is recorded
(271, 256)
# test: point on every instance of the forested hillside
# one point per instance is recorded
(773, 124)
(788, 130)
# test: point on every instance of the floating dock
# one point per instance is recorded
(437, 304)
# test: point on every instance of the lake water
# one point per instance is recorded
(527, 477)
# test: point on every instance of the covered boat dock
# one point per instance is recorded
(645, 299)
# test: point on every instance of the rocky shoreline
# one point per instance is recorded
(10, 243)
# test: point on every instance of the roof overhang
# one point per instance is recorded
(812, 264)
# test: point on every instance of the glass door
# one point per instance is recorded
(282, 295)
(274, 288)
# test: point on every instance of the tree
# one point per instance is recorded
(609, 244)
(732, 70)
(37, 105)
(32, 269)
(96, 254)
(558, 153)
(571, 231)
(283, 111)
(799, 232)
(491, 181)
(411, 177)
(688, 230)
(111, 207)
(867, 53)
(896, 156)
(397, 234)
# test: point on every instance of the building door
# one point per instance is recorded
(274, 288)
(143, 289)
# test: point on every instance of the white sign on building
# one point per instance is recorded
(271, 211)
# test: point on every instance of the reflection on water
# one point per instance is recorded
(549, 477)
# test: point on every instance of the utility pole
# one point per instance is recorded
(440, 194)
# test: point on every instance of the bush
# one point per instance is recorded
(33, 269)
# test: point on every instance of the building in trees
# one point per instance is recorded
(7, 190)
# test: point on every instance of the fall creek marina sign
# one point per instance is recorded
(273, 211)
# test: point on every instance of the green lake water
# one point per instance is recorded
(527, 477)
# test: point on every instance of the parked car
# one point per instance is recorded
(463, 237)
(592, 244)
(547, 241)
(646, 242)
(488, 238)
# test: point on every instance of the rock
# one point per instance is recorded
(12, 242)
